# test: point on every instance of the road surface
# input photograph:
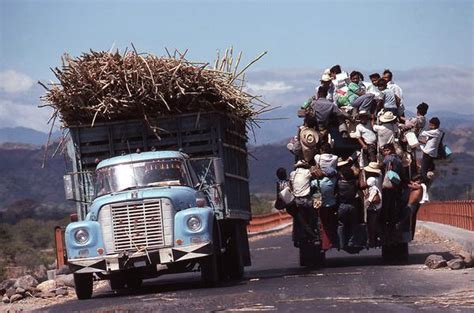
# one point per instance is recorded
(276, 282)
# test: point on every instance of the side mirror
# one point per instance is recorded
(219, 170)
(69, 187)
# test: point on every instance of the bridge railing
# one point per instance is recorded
(268, 221)
(455, 213)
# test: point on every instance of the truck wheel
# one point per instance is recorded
(83, 285)
(209, 271)
(210, 264)
(134, 282)
(116, 283)
(234, 258)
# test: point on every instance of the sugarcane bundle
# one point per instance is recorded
(107, 86)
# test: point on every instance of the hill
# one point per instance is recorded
(26, 189)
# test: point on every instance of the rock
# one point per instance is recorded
(5, 299)
(15, 297)
(61, 291)
(10, 292)
(468, 258)
(47, 294)
(65, 280)
(33, 291)
(435, 261)
(64, 270)
(25, 282)
(47, 285)
(20, 291)
(456, 264)
(6, 284)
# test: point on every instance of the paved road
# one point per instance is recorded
(275, 282)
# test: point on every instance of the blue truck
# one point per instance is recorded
(155, 197)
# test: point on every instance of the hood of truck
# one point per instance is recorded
(182, 198)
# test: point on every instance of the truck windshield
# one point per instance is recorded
(152, 173)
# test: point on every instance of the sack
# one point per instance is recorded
(286, 196)
(411, 139)
(443, 150)
(391, 179)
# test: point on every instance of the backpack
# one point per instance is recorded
(443, 150)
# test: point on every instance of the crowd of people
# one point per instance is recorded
(368, 189)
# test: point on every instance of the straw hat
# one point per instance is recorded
(387, 117)
(325, 77)
(301, 163)
(342, 162)
(373, 167)
(309, 137)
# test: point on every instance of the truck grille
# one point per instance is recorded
(137, 225)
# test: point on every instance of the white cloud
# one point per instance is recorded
(13, 114)
(270, 86)
(14, 82)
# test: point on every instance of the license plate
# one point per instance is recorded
(139, 264)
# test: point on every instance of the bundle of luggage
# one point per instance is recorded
(356, 162)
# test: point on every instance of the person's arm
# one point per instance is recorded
(410, 123)
(339, 113)
(424, 136)
(362, 143)
(397, 100)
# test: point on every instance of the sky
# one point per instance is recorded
(298, 35)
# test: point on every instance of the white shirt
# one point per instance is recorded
(326, 161)
(433, 137)
(371, 88)
(386, 133)
(425, 198)
(300, 180)
(366, 132)
(373, 191)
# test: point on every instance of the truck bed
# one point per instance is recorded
(200, 135)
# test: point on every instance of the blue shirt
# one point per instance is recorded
(389, 101)
(327, 186)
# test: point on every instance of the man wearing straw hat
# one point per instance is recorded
(305, 227)
(387, 131)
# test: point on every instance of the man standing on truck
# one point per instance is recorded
(431, 139)
(326, 112)
(306, 219)
(388, 76)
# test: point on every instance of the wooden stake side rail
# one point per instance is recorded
(455, 213)
(268, 221)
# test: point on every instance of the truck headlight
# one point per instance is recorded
(81, 236)
(194, 223)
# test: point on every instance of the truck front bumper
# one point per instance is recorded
(130, 260)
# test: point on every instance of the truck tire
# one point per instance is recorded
(133, 282)
(235, 258)
(116, 283)
(210, 264)
(397, 253)
(83, 285)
